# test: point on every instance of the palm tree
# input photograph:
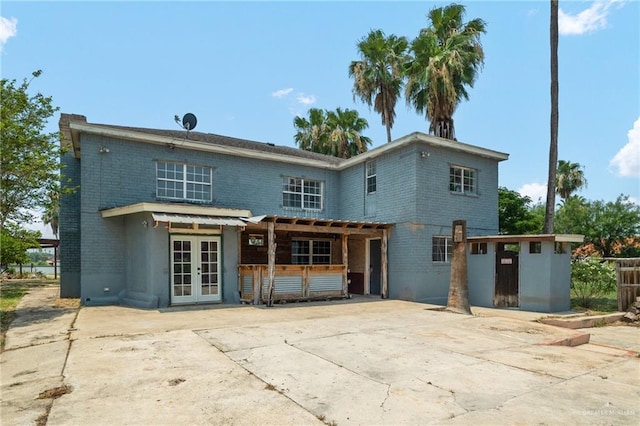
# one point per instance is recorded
(553, 145)
(345, 133)
(446, 59)
(569, 178)
(51, 215)
(378, 75)
(337, 133)
(311, 133)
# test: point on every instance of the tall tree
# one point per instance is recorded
(569, 178)
(51, 215)
(553, 145)
(345, 133)
(29, 164)
(311, 134)
(337, 133)
(378, 75)
(515, 214)
(447, 57)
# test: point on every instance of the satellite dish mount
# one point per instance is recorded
(189, 122)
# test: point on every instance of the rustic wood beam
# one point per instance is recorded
(383, 268)
(272, 261)
(345, 262)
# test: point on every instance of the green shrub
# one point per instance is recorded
(592, 278)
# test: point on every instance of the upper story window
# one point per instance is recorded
(371, 177)
(311, 252)
(462, 179)
(302, 193)
(179, 181)
(441, 249)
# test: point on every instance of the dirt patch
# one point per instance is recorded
(56, 392)
(66, 303)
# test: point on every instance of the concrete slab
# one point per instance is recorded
(375, 362)
(38, 321)
(167, 378)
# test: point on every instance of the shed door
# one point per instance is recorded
(195, 266)
(506, 290)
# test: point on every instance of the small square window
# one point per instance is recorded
(478, 248)
(535, 247)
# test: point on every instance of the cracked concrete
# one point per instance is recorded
(380, 362)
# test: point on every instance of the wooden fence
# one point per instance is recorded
(292, 282)
(628, 279)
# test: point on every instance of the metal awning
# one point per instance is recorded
(200, 220)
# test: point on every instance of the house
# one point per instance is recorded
(168, 217)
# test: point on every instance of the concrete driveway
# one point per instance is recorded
(362, 361)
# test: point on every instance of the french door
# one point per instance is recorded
(195, 269)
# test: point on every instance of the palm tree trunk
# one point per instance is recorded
(553, 146)
(388, 133)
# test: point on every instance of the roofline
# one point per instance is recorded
(100, 130)
(192, 144)
(560, 238)
(427, 139)
(175, 209)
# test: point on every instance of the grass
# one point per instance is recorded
(10, 294)
(600, 305)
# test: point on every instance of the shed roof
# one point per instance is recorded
(560, 238)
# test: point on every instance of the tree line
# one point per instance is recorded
(610, 229)
(433, 72)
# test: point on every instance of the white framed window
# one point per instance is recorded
(441, 249)
(462, 179)
(371, 177)
(300, 193)
(311, 252)
(178, 181)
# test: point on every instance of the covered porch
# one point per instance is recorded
(292, 259)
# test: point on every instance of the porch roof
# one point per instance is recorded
(176, 209)
(200, 220)
(329, 223)
(337, 226)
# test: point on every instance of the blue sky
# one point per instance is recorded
(245, 69)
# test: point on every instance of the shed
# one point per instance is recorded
(529, 272)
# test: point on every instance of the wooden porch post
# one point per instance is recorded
(272, 261)
(345, 263)
(383, 268)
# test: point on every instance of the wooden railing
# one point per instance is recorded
(292, 282)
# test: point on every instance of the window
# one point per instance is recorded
(559, 248)
(301, 193)
(478, 248)
(462, 179)
(535, 247)
(311, 252)
(371, 177)
(183, 181)
(442, 249)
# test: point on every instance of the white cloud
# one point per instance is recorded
(8, 29)
(282, 92)
(591, 19)
(536, 191)
(305, 100)
(627, 160)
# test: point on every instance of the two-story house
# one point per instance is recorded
(166, 217)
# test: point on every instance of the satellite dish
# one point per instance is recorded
(189, 121)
